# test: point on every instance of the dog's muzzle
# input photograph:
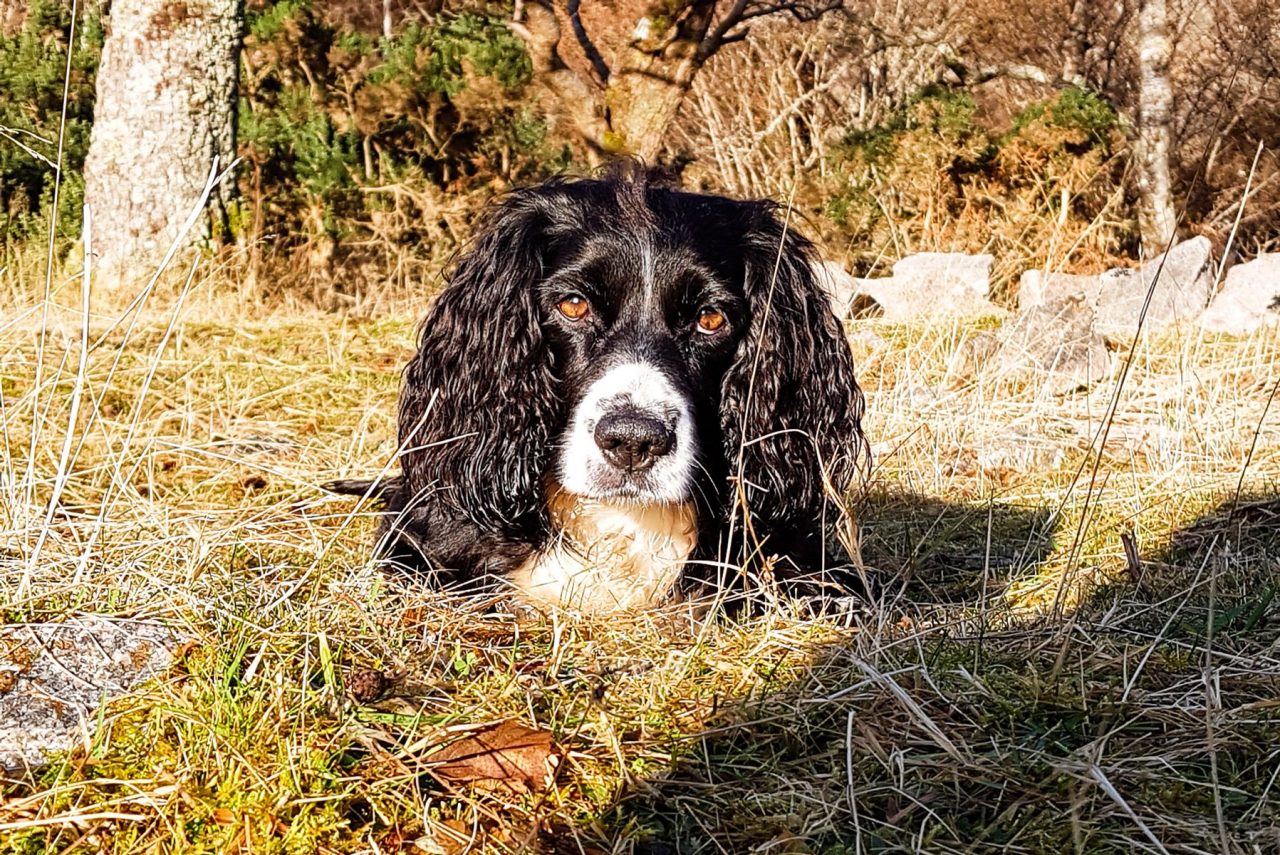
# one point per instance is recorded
(631, 436)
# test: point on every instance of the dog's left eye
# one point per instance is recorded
(574, 307)
(710, 320)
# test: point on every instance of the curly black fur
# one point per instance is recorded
(487, 397)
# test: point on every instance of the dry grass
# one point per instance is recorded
(1023, 690)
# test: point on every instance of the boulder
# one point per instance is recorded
(928, 285)
(936, 285)
(1020, 450)
(1249, 299)
(966, 276)
(54, 676)
(1037, 287)
(1060, 341)
(1183, 279)
(1054, 345)
(848, 296)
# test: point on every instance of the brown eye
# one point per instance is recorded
(574, 308)
(710, 320)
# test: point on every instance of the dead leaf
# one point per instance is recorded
(366, 684)
(224, 816)
(507, 756)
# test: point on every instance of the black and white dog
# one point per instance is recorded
(624, 386)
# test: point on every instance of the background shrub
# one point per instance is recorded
(33, 66)
(1046, 192)
(368, 144)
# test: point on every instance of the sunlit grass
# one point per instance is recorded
(1019, 687)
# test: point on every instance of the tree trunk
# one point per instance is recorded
(166, 95)
(571, 99)
(628, 109)
(1157, 218)
(622, 93)
(657, 70)
(1074, 43)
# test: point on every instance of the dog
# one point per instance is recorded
(626, 391)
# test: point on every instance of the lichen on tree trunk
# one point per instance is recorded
(165, 109)
(641, 108)
(655, 73)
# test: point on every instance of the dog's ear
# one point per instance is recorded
(478, 405)
(791, 409)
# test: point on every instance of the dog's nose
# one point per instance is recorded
(633, 441)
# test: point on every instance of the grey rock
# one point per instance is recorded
(928, 285)
(1249, 299)
(835, 280)
(1054, 345)
(1021, 450)
(1183, 283)
(936, 285)
(54, 676)
(1037, 287)
(973, 355)
(848, 299)
(1183, 279)
(949, 272)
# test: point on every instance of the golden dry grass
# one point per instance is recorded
(1021, 690)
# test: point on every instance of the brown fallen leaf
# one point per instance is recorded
(507, 756)
(223, 816)
(366, 684)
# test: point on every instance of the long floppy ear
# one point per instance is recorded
(791, 409)
(479, 405)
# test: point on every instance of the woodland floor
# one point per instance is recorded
(1020, 687)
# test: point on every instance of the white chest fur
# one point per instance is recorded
(608, 556)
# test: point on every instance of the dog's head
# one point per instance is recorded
(636, 343)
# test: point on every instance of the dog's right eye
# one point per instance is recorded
(575, 308)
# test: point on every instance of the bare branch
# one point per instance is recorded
(537, 27)
(577, 96)
(727, 30)
(598, 66)
(800, 11)
(1013, 71)
(715, 38)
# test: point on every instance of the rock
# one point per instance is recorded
(928, 285)
(1249, 299)
(1183, 280)
(1055, 345)
(973, 355)
(1037, 287)
(1182, 290)
(1060, 340)
(54, 676)
(1021, 451)
(848, 296)
(936, 286)
(949, 272)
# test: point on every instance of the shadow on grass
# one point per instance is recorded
(1248, 526)
(1148, 722)
(942, 552)
(1218, 577)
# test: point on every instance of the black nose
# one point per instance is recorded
(633, 441)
